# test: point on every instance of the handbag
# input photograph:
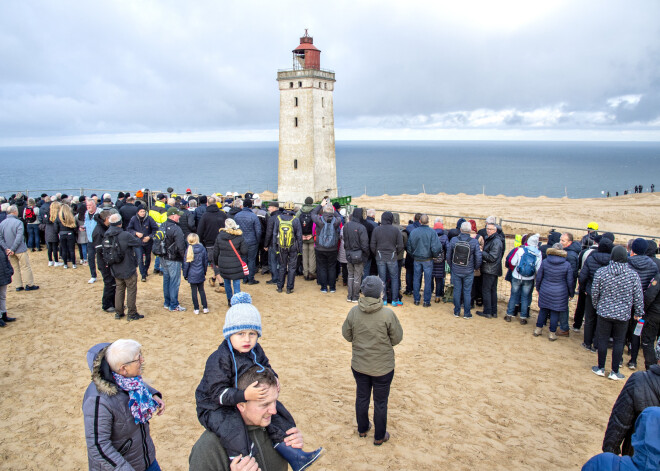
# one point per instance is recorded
(246, 270)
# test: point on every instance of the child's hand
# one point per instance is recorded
(253, 393)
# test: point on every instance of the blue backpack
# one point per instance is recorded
(329, 236)
(527, 265)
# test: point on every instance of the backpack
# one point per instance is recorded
(462, 253)
(306, 222)
(440, 258)
(527, 264)
(159, 248)
(30, 216)
(112, 253)
(328, 237)
(285, 233)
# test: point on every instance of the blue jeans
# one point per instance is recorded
(83, 248)
(563, 320)
(462, 284)
(154, 466)
(390, 267)
(253, 251)
(171, 282)
(521, 293)
(33, 236)
(232, 287)
(272, 264)
(427, 268)
(157, 264)
(367, 269)
(554, 318)
(143, 254)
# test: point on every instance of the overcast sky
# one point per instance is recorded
(159, 70)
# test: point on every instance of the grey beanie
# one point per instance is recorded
(372, 286)
(240, 317)
(619, 254)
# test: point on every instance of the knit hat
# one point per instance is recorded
(231, 224)
(309, 200)
(619, 254)
(607, 235)
(605, 245)
(372, 286)
(639, 246)
(473, 225)
(553, 237)
(242, 315)
(533, 241)
(652, 248)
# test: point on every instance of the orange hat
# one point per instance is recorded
(139, 194)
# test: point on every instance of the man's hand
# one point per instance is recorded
(293, 438)
(139, 235)
(161, 405)
(266, 249)
(241, 463)
(146, 239)
(253, 393)
(638, 318)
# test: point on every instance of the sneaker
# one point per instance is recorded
(135, 317)
(166, 307)
(289, 291)
(523, 321)
(31, 287)
(279, 290)
(66, 267)
(385, 303)
(537, 331)
(416, 303)
(552, 336)
(426, 305)
(397, 303)
(632, 365)
(59, 264)
(467, 316)
(355, 301)
(92, 280)
(196, 311)
(333, 291)
(110, 309)
(598, 371)
(615, 376)
(118, 316)
(507, 318)
(575, 329)
(585, 346)
(349, 300)
(594, 349)
(253, 282)
(74, 266)
(205, 310)
(271, 282)
(323, 290)
(50, 264)
(20, 288)
(457, 315)
(179, 308)
(144, 279)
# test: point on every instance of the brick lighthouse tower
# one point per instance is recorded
(307, 127)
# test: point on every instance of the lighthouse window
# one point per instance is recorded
(295, 122)
(296, 98)
(326, 86)
(290, 84)
(295, 163)
(323, 121)
(322, 104)
(320, 85)
(299, 84)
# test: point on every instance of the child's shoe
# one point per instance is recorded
(196, 311)
(205, 310)
(296, 457)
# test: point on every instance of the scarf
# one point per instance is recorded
(141, 401)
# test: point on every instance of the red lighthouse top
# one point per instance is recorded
(306, 55)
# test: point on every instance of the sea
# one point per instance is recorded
(511, 168)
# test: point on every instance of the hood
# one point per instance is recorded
(616, 268)
(97, 218)
(357, 215)
(641, 262)
(553, 238)
(198, 248)
(646, 440)
(386, 218)
(459, 222)
(101, 373)
(213, 209)
(557, 252)
(440, 231)
(369, 305)
(605, 246)
(574, 247)
(225, 232)
(651, 248)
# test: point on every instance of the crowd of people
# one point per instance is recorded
(226, 240)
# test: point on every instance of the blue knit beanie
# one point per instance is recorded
(242, 315)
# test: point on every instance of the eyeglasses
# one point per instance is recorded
(140, 358)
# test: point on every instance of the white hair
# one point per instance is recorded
(4, 207)
(115, 218)
(121, 352)
(238, 203)
(439, 219)
(192, 203)
(107, 195)
(466, 227)
(257, 202)
(371, 213)
(13, 209)
(171, 201)
(491, 220)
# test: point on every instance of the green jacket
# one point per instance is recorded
(207, 453)
(373, 331)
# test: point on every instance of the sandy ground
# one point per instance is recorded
(466, 394)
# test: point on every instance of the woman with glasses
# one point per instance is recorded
(117, 406)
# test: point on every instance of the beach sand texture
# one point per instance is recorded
(465, 395)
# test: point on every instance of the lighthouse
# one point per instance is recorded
(307, 129)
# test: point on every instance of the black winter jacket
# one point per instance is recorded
(145, 226)
(320, 220)
(572, 256)
(225, 258)
(642, 390)
(270, 224)
(491, 256)
(174, 238)
(386, 240)
(644, 267)
(6, 270)
(439, 267)
(594, 261)
(97, 235)
(651, 298)
(297, 232)
(126, 268)
(195, 271)
(355, 235)
(127, 211)
(187, 223)
(210, 223)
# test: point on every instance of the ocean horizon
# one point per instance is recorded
(511, 168)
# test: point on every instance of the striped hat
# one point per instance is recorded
(241, 316)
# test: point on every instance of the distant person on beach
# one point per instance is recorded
(251, 227)
(102, 221)
(356, 246)
(273, 263)
(13, 243)
(409, 261)
(224, 393)
(491, 269)
(306, 224)
(6, 272)
(117, 408)
(373, 331)
(143, 227)
(212, 220)
(652, 187)
(525, 262)
(31, 218)
(194, 270)
(439, 261)
(616, 292)
(175, 248)
(424, 245)
(554, 283)
(386, 244)
(66, 227)
(287, 241)
(117, 249)
(90, 225)
(51, 236)
(327, 222)
(463, 257)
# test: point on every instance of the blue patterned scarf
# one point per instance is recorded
(141, 401)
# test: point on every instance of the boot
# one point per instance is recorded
(6, 318)
(2, 323)
(297, 458)
(538, 331)
(552, 336)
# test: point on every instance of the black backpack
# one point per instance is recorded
(159, 249)
(306, 222)
(461, 255)
(112, 253)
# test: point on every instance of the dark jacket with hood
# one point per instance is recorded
(174, 239)
(554, 281)
(597, 259)
(209, 224)
(553, 238)
(651, 298)
(187, 223)
(320, 219)
(6, 270)
(225, 258)
(297, 232)
(616, 292)
(126, 268)
(423, 244)
(646, 443)
(114, 440)
(127, 211)
(642, 390)
(270, 224)
(396, 222)
(439, 267)
(651, 253)
(250, 225)
(145, 226)
(97, 235)
(572, 256)
(356, 238)
(195, 271)
(491, 256)
(386, 240)
(644, 267)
